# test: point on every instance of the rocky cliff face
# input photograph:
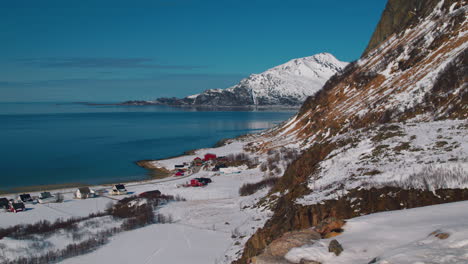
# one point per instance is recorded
(398, 15)
(378, 124)
(288, 84)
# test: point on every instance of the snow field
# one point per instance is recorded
(398, 237)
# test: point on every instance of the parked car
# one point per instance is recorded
(205, 181)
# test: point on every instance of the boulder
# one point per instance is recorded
(282, 245)
(275, 252)
(439, 234)
(329, 225)
(335, 247)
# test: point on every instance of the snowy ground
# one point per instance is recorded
(167, 243)
(395, 154)
(398, 237)
(210, 227)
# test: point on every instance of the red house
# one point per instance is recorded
(179, 173)
(209, 156)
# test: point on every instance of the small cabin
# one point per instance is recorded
(179, 166)
(16, 207)
(25, 198)
(46, 197)
(84, 193)
(118, 189)
(4, 203)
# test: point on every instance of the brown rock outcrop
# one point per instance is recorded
(278, 248)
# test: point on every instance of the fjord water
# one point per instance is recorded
(56, 143)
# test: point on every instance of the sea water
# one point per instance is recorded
(57, 143)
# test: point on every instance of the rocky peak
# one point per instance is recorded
(398, 15)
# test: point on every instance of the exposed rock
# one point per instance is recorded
(266, 259)
(398, 14)
(303, 261)
(335, 247)
(332, 234)
(440, 235)
(276, 251)
(289, 240)
(329, 225)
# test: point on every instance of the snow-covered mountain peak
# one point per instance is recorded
(288, 84)
(292, 82)
(309, 66)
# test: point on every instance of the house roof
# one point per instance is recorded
(84, 190)
(18, 205)
(46, 194)
(4, 201)
(119, 186)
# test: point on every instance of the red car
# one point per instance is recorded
(196, 183)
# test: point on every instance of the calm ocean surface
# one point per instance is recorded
(49, 143)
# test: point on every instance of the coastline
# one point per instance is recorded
(205, 107)
(153, 173)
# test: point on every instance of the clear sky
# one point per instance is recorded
(107, 51)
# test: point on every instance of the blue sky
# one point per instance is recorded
(106, 51)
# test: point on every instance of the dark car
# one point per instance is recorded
(205, 181)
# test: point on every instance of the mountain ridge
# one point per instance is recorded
(288, 84)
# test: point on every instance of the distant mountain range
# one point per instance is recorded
(288, 84)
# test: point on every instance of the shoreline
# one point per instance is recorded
(204, 107)
(153, 173)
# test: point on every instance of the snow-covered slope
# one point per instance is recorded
(404, 237)
(396, 118)
(288, 84)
